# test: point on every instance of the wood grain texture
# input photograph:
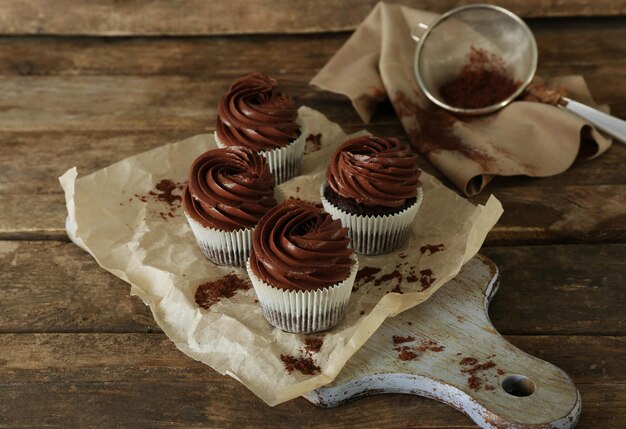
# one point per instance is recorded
(75, 295)
(142, 380)
(91, 102)
(196, 17)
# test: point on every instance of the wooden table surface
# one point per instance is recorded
(89, 85)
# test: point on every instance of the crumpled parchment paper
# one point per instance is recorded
(147, 243)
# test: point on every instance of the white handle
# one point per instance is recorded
(609, 124)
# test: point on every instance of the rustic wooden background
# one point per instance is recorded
(89, 83)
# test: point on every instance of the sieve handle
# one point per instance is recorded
(609, 124)
(418, 30)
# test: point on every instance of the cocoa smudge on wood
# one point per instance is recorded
(407, 354)
(399, 340)
(211, 293)
(432, 248)
(304, 364)
(473, 380)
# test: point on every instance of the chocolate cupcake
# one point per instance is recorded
(301, 267)
(254, 113)
(373, 187)
(229, 190)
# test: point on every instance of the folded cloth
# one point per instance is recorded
(526, 137)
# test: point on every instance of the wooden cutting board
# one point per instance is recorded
(457, 357)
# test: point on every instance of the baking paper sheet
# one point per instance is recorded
(135, 238)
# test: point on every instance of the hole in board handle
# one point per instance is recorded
(518, 385)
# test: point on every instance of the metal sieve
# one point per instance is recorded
(443, 46)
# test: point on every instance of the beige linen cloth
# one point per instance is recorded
(526, 137)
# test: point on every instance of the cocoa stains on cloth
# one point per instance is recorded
(431, 248)
(211, 293)
(540, 93)
(313, 344)
(483, 81)
(434, 131)
(474, 370)
(303, 364)
(313, 143)
(168, 192)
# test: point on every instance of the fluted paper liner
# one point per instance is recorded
(284, 162)
(375, 235)
(222, 247)
(304, 311)
(159, 257)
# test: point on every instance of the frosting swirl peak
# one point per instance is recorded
(297, 246)
(229, 189)
(256, 114)
(374, 171)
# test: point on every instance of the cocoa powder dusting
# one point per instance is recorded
(473, 368)
(427, 278)
(499, 371)
(473, 382)
(540, 93)
(431, 248)
(399, 340)
(164, 193)
(366, 274)
(434, 132)
(483, 81)
(468, 361)
(313, 345)
(210, 293)
(407, 354)
(305, 365)
(395, 274)
(427, 344)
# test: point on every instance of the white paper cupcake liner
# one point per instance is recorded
(284, 162)
(304, 311)
(375, 235)
(222, 247)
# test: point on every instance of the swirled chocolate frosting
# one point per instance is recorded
(256, 114)
(297, 246)
(374, 171)
(229, 189)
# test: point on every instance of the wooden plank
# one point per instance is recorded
(72, 294)
(118, 94)
(582, 204)
(299, 55)
(138, 379)
(195, 17)
(559, 289)
(55, 286)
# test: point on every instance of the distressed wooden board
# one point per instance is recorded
(196, 17)
(517, 390)
(105, 378)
